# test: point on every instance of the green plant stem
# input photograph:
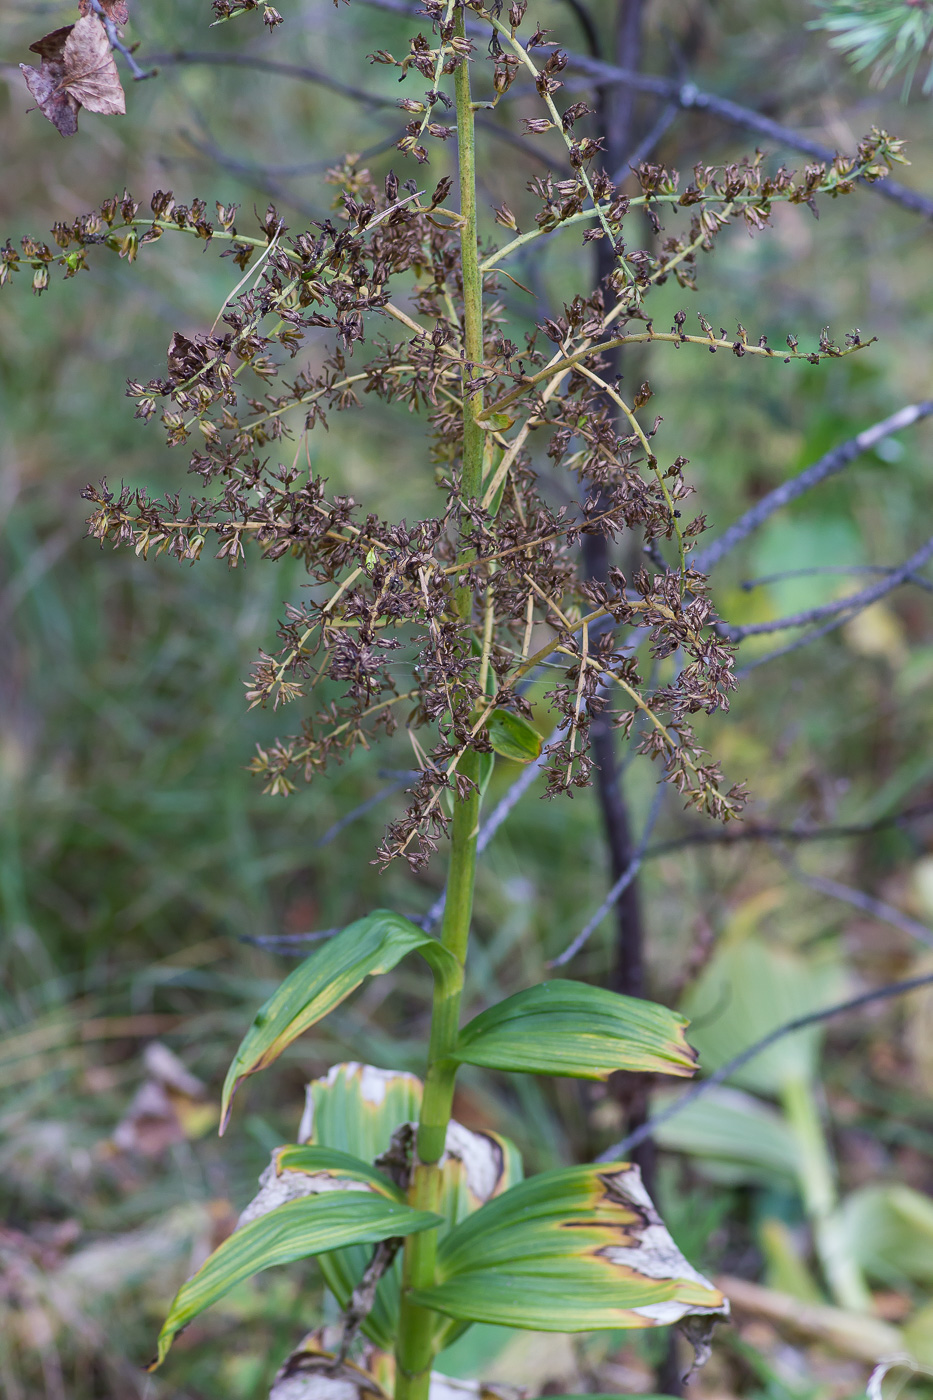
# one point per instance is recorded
(415, 1345)
(473, 435)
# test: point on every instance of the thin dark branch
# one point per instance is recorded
(691, 98)
(306, 74)
(291, 944)
(797, 645)
(261, 172)
(867, 903)
(619, 1150)
(811, 476)
(354, 815)
(735, 835)
(649, 141)
(139, 74)
(618, 889)
(838, 621)
(750, 583)
(364, 1294)
(527, 148)
(617, 102)
(585, 21)
(850, 605)
(301, 72)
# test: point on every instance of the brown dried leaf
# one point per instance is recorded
(90, 71)
(45, 82)
(52, 46)
(77, 70)
(117, 10)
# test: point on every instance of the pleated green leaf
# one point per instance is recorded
(570, 1028)
(513, 737)
(369, 946)
(330, 1164)
(569, 1251)
(297, 1230)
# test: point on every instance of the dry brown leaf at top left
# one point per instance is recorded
(77, 69)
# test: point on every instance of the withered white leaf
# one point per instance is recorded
(90, 70)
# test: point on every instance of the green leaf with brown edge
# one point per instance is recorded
(573, 1250)
(570, 1028)
(513, 737)
(297, 1230)
(363, 949)
(329, 1163)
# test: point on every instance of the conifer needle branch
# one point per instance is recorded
(725, 1072)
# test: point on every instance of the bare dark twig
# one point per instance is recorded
(138, 74)
(619, 1150)
(739, 835)
(867, 903)
(585, 21)
(361, 810)
(750, 583)
(291, 944)
(821, 470)
(300, 71)
(364, 1294)
(618, 889)
(689, 97)
(841, 609)
(799, 642)
(649, 141)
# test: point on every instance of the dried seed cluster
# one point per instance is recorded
(380, 285)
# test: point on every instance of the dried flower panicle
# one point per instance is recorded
(379, 640)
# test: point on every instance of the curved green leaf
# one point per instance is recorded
(730, 1134)
(297, 1230)
(569, 1251)
(763, 985)
(513, 737)
(570, 1028)
(369, 946)
(329, 1163)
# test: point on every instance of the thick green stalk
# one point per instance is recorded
(415, 1343)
